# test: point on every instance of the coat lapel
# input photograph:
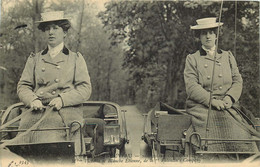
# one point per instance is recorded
(59, 58)
(56, 60)
(206, 56)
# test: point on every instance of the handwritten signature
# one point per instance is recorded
(19, 163)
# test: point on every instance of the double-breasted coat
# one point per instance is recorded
(45, 78)
(198, 75)
(227, 82)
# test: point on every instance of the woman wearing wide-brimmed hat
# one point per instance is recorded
(54, 77)
(227, 87)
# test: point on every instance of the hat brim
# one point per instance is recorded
(46, 21)
(206, 26)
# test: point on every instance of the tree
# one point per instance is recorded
(158, 38)
(17, 43)
(86, 36)
(150, 30)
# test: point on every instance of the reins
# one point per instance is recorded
(235, 40)
(15, 119)
(243, 125)
(19, 136)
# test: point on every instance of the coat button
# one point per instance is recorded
(208, 77)
(220, 75)
(205, 65)
(41, 93)
(220, 88)
(219, 64)
(57, 80)
(53, 92)
(43, 69)
(58, 67)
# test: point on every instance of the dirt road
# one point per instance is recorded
(135, 121)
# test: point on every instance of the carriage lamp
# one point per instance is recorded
(111, 134)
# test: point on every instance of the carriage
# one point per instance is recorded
(114, 136)
(165, 132)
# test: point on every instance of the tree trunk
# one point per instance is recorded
(80, 25)
(108, 86)
(168, 84)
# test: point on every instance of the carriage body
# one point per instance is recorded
(164, 131)
(114, 136)
(167, 133)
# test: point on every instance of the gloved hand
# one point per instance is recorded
(219, 104)
(56, 103)
(227, 102)
(36, 105)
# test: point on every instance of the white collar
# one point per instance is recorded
(55, 50)
(210, 51)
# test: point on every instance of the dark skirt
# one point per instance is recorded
(55, 119)
(221, 125)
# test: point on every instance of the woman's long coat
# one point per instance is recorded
(44, 78)
(227, 82)
(66, 76)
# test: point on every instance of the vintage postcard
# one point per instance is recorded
(133, 83)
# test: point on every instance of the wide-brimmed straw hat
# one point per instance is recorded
(206, 23)
(52, 16)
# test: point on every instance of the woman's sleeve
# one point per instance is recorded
(82, 85)
(194, 90)
(237, 82)
(26, 83)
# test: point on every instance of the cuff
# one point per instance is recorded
(232, 99)
(62, 99)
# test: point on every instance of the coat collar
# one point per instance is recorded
(57, 59)
(64, 50)
(204, 53)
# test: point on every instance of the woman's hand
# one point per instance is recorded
(36, 104)
(56, 103)
(219, 104)
(227, 102)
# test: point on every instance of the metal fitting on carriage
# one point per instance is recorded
(111, 134)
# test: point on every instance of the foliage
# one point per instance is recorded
(86, 36)
(16, 42)
(157, 38)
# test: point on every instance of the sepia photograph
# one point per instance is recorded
(129, 83)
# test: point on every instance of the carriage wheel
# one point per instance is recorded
(112, 152)
(153, 151)
(158, 151)
(122, 151)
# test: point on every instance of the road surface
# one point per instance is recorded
(135, 122)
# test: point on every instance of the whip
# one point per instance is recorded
(212, 80)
